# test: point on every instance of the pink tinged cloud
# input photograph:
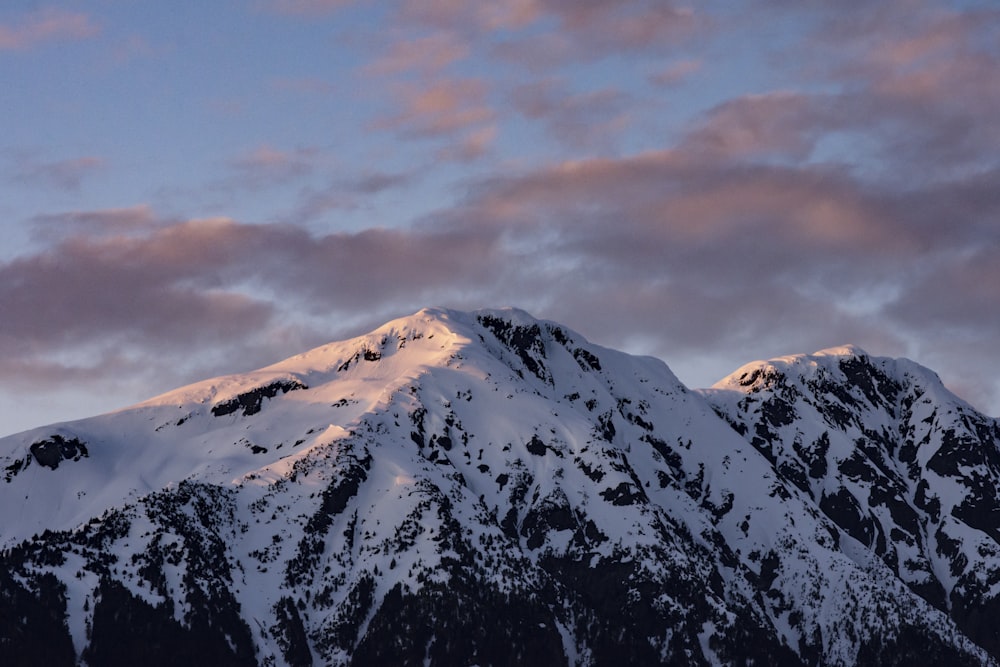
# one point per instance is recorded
(443, 107)
(428, 55)
(591, 30)
(942, 54)
(432, 104)
(203, 282)
(769, 258)
(920, 82)
(85, 291)
(46, 25)
(561, 30)
(703, 225)
(712, 252)
(625, 26)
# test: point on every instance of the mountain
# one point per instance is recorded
(487, 488)
(901, 465)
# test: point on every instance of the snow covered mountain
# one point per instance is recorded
(487, 488)
(903, 466)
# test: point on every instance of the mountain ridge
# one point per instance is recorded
(579, 504)
(901, 437)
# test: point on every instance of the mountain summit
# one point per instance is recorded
(487, 488)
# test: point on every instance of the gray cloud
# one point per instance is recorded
(918, 78)
(751, 236)
(666, 252)
(347, 193)
(205, 285)
(57, 226)
(575, 119)
(690, 254)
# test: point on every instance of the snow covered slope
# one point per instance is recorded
(486, 488)
(905, 468)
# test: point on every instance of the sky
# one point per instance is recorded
(194, 188)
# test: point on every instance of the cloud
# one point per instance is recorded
(471, 146)
(267, 166)
(857, 203)
(46, 25)
(440, 108)
(428, 100)
(669, 252)
(548, 32)
(314, 203)
(145, 286)
(429, 54)
(200, 285)
(454, 111)
(689, 253)
(111, 222)
(431, 39)
(378, 181)
(947, 293)
(667, 214)
(588, 31)
(914, 82)
(648, 26)
(67, 174)
(575, 119)
(773, 125)
(347, 193)
(676, 72)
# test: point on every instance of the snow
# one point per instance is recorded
(441, 376)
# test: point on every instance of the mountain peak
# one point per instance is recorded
(370, 501)
(458, 319)
(755, 374)
(849, 350)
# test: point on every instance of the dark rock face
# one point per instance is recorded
(250, 402)
(525, 341)
(10, 471)
(50, 453)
